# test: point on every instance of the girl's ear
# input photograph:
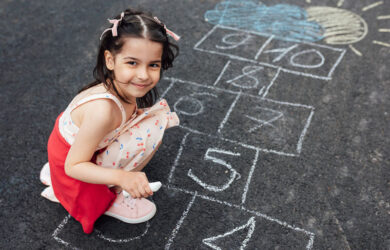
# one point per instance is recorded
(109, 58)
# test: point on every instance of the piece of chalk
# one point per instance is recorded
(154, 186)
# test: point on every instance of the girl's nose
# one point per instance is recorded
(142, 74)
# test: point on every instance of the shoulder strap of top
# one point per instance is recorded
(102, 96)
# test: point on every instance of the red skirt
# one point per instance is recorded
(85, 202)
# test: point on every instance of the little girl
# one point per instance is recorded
(112, 128)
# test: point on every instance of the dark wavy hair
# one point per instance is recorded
(135, 24)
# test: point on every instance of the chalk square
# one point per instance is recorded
(306, 58)
(110, 233)
(195, 105)
(216, 168)
(247, 77)
(231, 42)
(229, 227)
(268, 124)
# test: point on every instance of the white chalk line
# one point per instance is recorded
(372, 6)
(243, 199)
(271, 83)
(242, 208)
(337, 63)
(222, 72)
(251, 224)
(302, 136)
(178, 225)
(228, 113)
(381, 43)
(176, 162)
(340, 3)
(263, 47)
(384, 30)
(102, 236)
(59, 229)
(205, 36)
(169, 87)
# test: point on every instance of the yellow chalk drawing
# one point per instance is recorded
(341, 26)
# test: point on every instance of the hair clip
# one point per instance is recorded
(169, 32)
(114, 28)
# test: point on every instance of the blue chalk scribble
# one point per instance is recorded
(284, 21)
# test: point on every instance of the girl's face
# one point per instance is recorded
(136, 67)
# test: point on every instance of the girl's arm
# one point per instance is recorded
(99, 118)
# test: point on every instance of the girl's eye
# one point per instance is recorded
(155, 65)
(132, 63)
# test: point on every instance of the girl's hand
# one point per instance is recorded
(136, 184)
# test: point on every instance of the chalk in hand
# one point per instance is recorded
(154, 186)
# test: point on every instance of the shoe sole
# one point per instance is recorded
(44, 178)
(133, 221)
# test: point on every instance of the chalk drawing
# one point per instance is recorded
(267, 45)
(188, 99)
(311, 235)
(381, 43)
(247, 138)
(309, 66)
(250, 224)
(234, 44)
(293, 23)
(178, 225)
(265, 122)
(284, 21)
(283, 51)
(222, 72)
(248, 77)
(384, 30)
(383, 17)
(247, 72)
(373, 5)
(102, 236)
(233, 173)
(341, 26)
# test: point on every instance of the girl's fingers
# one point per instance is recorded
(147, 189)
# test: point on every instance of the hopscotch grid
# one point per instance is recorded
(242, 208)
(241, 93)
(249, 178)
(327, 78)
(299, 144)
(222, 72)
(181, 220)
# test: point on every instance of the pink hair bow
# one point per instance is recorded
(114, 28)
(169, 32)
